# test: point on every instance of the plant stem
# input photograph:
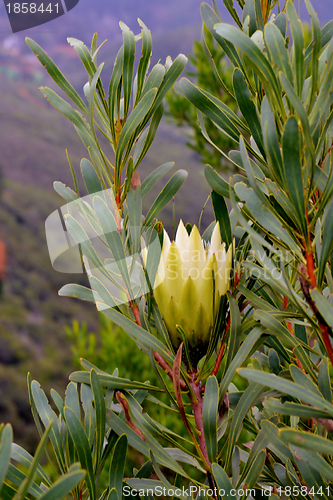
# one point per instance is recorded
(197, 407)
(165, 366)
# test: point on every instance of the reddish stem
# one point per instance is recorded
(135, 310)
(197, 407)
(326, 339)
(124, 404)
(165, 366)
(313, 282)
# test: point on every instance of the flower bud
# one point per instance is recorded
(190, 281)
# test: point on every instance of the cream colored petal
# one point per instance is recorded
(206, 287)
(162, 298)
(174, 272)
(202, 325)
(189, 303)
(196, 258)
(160, 276)
(223, 275)
(215, 241)
(166, 245)
(182, 237)
(172, 318)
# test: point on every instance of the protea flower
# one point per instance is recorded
(185, 291)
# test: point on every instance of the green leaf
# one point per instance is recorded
(99, 406)
(64, 191)
(18, 478)
(298, 52)
(28, 481)
(88, 63)
(167, 193)
(247, 45)
(160, 474)
(286, 387)
(316, 462)
(89, 412)
(147, 136)
(293, 169)
(128, 65)
(120, 427)
(316, 47)
(248, 109)
(154, 79)
(271, 142)
(210, 19)
(242, 354)
(256, 469)
(327, 245)
(170, 77)
(117, 465)
(152, 179)
(101, 293)
(77, 292)
(244, 405)
(90, 177)
(260, 213)
(299, 410)
(216, 182)
(311, 477)
(112, 382)
(139, 334)
(215, 110)
(272, 433)
(307, 440)
(222, 216)
(72, 399)
(63, 485)
(182, 456)
(56, 74)
(112, 495)
(323, 305)
(324, 382)
(302, 379)
(229, 6)
(235, 330)
(134, 204)
(23, 457)
(144, 60)
(82, 446)
(131, 127)
(114, 241)
(300, 110)
(209, 417)
(47, 416)
(65, 108)
(146, 424)
(281, 23)
(222, 480)
(114, 93)
(275, 43)
(5, 451)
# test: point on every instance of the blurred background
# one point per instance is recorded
(36, 326)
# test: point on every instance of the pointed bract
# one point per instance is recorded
(188, 273)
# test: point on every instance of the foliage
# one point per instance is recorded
(109, 349)
(184, 114)
(273, 327)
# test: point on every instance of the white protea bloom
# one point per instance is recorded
(184, 285)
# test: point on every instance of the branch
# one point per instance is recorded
(165, 366)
